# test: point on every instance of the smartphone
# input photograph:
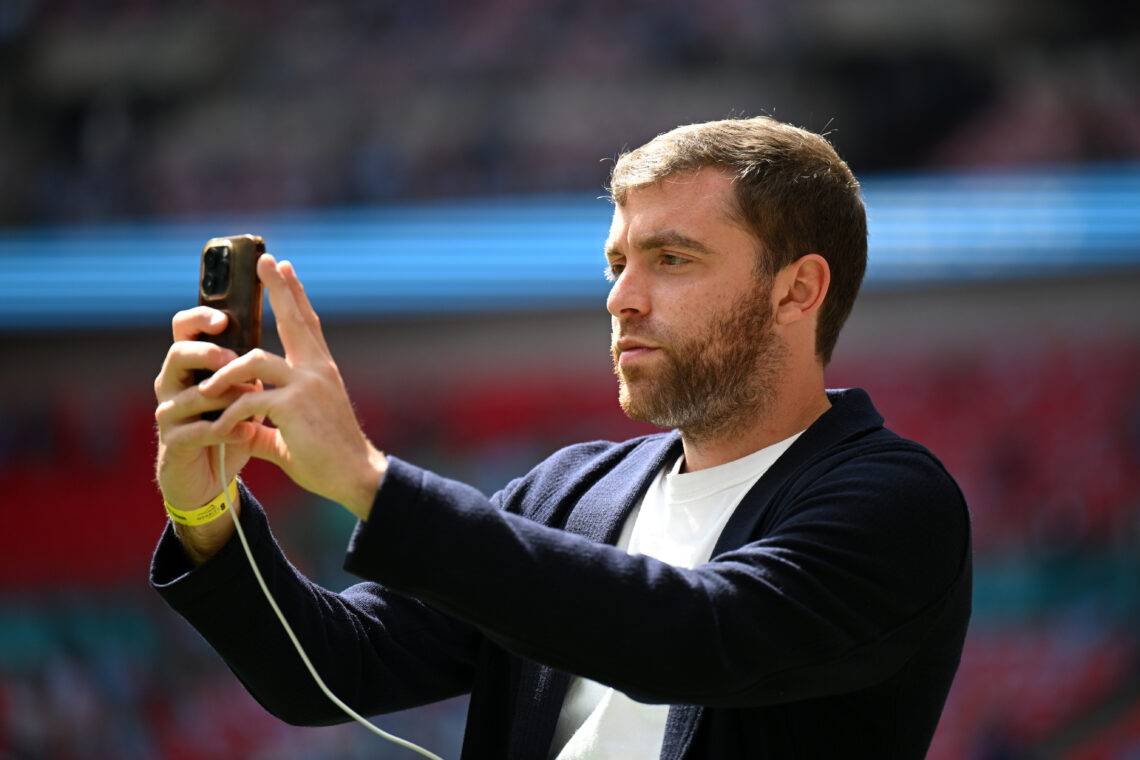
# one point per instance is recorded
(227, 280)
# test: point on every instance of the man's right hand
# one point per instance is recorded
(187, 464)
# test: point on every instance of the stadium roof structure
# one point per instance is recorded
(506, 254)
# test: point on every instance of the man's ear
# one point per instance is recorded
(800, 288)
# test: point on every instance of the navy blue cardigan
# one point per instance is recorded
(829, 622)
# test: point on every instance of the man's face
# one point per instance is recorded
(692, 340)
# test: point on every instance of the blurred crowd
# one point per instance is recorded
(133, 108)
(1051, 481)
(116, 679)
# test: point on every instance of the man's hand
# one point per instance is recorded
(187, 462)
(315, 436)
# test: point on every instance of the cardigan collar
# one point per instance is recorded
(602, 510)
(851, 415)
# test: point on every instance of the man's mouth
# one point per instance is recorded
(628, 350)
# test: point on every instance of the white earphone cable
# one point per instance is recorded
(292, 637)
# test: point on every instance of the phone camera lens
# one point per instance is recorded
(215, 270)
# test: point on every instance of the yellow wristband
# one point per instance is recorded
(208, 512)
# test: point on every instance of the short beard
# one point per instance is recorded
(716, 383)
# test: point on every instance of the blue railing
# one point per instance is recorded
(503, 254)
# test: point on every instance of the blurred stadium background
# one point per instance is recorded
(433, 169)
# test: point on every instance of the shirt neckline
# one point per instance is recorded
(683, 487)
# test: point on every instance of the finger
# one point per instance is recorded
(256, 365)
(243, 434)
(192, 435)
(188, 405)
(303, 304)
(182, 359)
(190, 323)
(261, 441)
(296, 335)
(251, 406)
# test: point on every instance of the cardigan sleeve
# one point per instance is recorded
(376, 650)
(856, 565)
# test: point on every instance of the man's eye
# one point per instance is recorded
(672, 260)
(614, 270)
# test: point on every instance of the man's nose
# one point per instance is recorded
(629, 295)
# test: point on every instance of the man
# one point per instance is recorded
(779, 576)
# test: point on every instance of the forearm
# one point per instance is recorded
(356, 640)
(545, 594)
(785, 616)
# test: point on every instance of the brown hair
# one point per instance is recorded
(793, 192)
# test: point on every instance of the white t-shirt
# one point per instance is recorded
(678, 521)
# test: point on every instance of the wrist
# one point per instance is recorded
(202, 538)
(206, 513)
(367, 484)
